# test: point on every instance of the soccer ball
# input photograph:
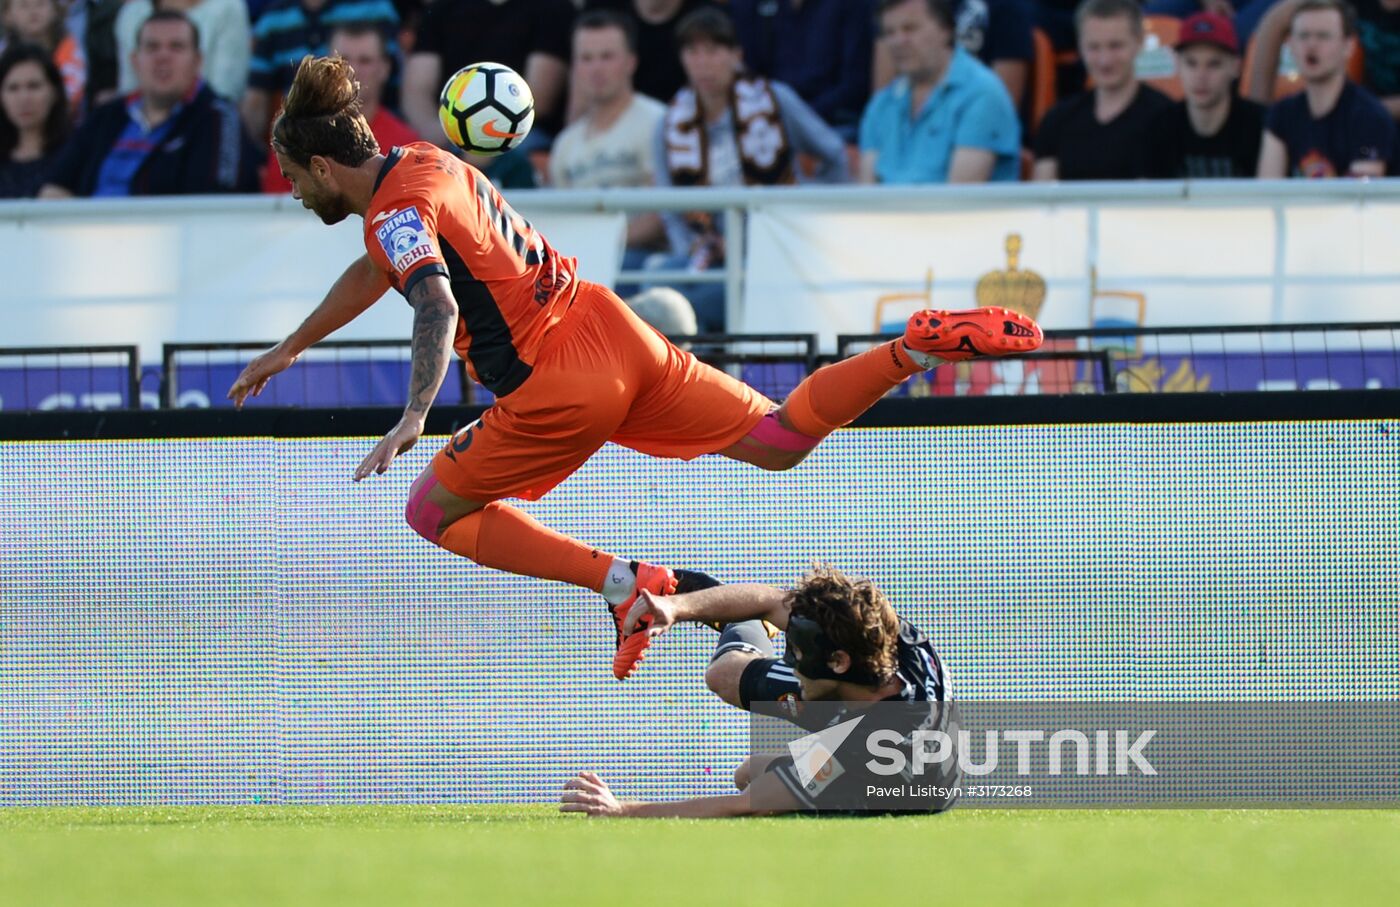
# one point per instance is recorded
(486, 108)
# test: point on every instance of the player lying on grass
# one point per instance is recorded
(845, 646)
(570, 365)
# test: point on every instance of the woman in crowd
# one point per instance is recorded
(42, 23)
(33, 118)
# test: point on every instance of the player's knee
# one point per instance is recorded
(424, 515)
(782, 446)
(724, 673)
(778, 460)
(424, 518)
(787, 460)
(715, 680)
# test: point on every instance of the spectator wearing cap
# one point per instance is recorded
(946, 118)
(1245, 15)
(1102, 134)
(1332, 127)
(1211, 133)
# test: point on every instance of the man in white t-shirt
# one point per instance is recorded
(613, 143)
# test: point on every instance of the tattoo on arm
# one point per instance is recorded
(434, 324)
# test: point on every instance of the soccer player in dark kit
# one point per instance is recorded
(846, 650)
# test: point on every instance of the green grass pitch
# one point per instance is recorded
(341, 855)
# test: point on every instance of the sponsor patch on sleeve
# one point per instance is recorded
(822, 767)
(404, 239)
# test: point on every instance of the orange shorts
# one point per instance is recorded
(602, 375)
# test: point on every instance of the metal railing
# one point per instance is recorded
(1110, 360)
(1258, 357)
(273, 254)
(328, 374)
(70, 377)
(311, 378)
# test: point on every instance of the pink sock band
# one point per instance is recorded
(424, 516)
(771, 432)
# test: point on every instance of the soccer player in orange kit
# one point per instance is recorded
(571, 366)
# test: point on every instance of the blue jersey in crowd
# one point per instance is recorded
(968, 109)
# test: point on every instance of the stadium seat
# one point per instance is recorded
(904, 305)
(1116, 309)
(1043, 78)
(853, 160)
(1156, 62)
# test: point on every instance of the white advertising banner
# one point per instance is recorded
(825, 260)
(209, 270)
(832, 269)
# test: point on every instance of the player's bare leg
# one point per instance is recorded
(740, 644)
(506, 538)
(726, 669)
(751, 768)
(836, 394)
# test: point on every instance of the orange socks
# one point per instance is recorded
(835, 394)
(504, 538)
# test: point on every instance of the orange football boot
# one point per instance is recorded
(966, 334)
(632, 649)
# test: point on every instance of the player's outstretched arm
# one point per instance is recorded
(588, 793)
(434, 325)
(717, 604)
(356, 290)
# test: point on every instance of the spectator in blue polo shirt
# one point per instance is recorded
(173, 136)
(947, 118)
(287, 30)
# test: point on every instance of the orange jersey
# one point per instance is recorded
(433, 214)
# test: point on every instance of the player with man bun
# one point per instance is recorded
(570, 365)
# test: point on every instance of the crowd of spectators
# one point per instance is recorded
(171, 96)
(162, 97)
(134, 97)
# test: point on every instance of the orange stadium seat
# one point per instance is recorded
(1156, 62)
(1044, 74)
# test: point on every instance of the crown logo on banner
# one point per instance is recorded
(1016, 289)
